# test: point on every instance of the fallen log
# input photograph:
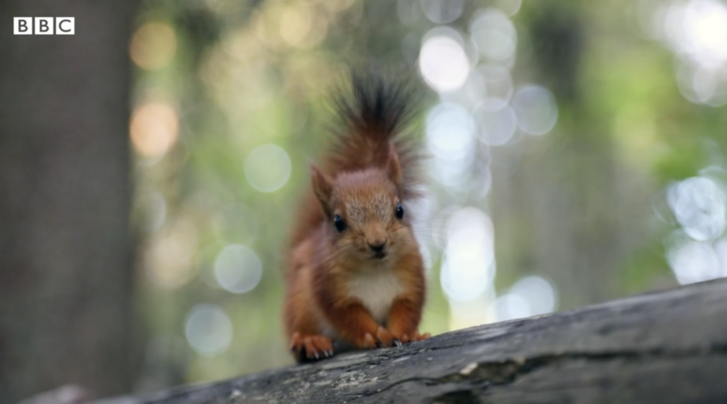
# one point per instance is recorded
(663, 347)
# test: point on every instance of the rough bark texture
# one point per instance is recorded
(661, 348)
(65, 276)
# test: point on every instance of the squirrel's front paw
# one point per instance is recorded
(383, 338)
(310, 347)
(411, 337)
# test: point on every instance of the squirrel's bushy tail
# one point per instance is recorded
(373, 111)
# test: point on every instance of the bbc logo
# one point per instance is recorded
(44, 26)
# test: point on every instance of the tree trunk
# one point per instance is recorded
(65, 249)
(566, 205)
(660, 348)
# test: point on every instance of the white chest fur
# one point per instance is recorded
(376, 288)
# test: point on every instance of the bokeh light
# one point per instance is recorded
(450, 137)
(509, 7)
(698, 204)
(267, 168)
(498, 85)
(208, 329)
(153, 45)
(295, 23)
(443, 63)
(536, 109)
(494, 35)
(720, 247)
(468, 267)
(154, 129)
(169, 257)
(442, 11)
(497, 125)
(702, 85)
(530, 296)
(238, 269)
(539, 293)
(695, 261)
(302, 26)
(511, 306)
(473, 312)
(450, 132)
(696, 31)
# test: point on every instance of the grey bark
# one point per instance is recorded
(661, 348)
(65, 249)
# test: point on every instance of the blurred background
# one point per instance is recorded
(150, 167)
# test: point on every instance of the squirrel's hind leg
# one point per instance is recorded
(310, 347)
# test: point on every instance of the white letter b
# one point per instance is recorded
(23, 26)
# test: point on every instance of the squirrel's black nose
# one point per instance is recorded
(378, 248)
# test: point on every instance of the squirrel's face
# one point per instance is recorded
(366, 218)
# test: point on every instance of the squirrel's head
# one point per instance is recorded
(364, 211)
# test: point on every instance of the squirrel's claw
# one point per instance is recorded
(311, 347)
(384, 337)
(415, 336)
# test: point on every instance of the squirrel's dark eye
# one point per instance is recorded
(399, 211)
(339, 223)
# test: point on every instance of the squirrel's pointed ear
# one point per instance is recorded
(321, 185)
(393, 168)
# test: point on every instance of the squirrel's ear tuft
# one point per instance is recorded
(393, 168)
(322, 186)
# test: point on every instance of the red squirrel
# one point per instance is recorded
(355, 275)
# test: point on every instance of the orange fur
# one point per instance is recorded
(355, 275)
